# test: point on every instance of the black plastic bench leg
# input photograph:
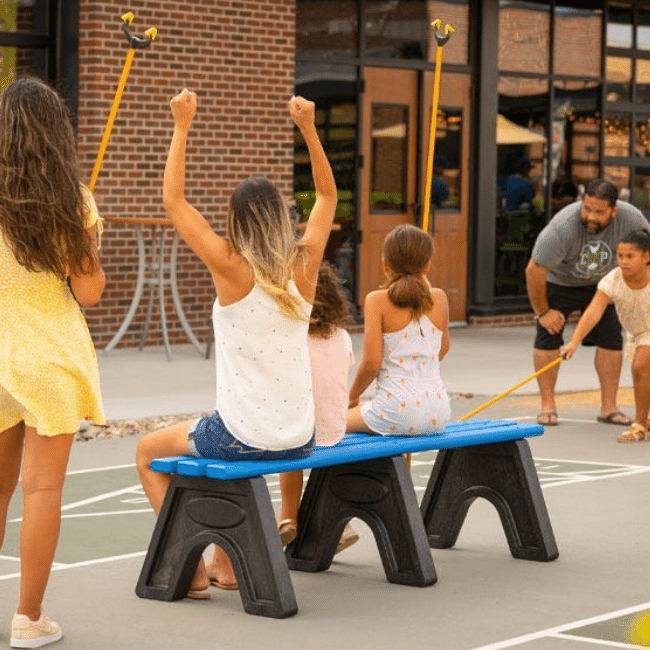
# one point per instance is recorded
(381, 493)
(504, 474)
(238, 516)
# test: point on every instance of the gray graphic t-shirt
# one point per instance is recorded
(576, 257)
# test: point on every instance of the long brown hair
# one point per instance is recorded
(41, 201)
(260, 229)
(332, 308)
(407, 251)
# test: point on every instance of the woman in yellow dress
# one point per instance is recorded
(49, 380)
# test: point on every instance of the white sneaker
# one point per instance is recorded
(26, 633)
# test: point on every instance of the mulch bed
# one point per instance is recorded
(124, 428)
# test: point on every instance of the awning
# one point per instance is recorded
(510, 133)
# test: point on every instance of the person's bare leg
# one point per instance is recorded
(641, 379)
(220, 569)
(11, 451)
(547, 380)
(44, 468)
(355, 423)
(608, 365)
(170, 441)
(291, 491)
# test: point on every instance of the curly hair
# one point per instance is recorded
(407, 252)
(332, 308)
(41, 200)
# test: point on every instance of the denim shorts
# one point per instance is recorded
(607, 332)
(209, 438)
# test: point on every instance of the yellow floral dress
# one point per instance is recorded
(48, 367)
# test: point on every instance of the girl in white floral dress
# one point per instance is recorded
(406, 336)
(628, 287)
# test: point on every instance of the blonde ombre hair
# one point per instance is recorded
(261, 231)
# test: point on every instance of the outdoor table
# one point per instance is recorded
(155, 272)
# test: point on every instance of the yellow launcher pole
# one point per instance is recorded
(111, 119)
(434, 119)
(135, 43)
(541, 371)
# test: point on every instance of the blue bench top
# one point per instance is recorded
(354, 447)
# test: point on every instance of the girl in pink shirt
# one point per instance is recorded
(330, 355)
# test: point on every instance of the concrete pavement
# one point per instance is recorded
(483, 361)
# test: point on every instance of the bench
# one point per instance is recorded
(363, 476)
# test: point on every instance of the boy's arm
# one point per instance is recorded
(373, 348)
(587, 322)
(192, 226)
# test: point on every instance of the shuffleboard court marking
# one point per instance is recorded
(562, 629)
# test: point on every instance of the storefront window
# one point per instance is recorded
(399, 29)
(522, 148)
(575, 139)
(524, 36)
(445, 190)
(456, 14)
(619, 25)
(389, 162)
(334, 90)
(641, 191)
(620, 176)
(642, 136)
(617, 135)
(577, 38)
(326, 28)
(619, 79)
(643, 29)
(642, 78)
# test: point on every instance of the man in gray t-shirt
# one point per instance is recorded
(573, 252)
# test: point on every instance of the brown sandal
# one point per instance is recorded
(288, 530)
(636, 433)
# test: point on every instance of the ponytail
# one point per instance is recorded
(410, 292)
(407, 252)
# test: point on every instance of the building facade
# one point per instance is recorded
(565, 86)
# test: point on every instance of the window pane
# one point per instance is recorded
(643, 29)
(326, 28)
(641, 190)
(642, 81)
(456, 14)
(521, 155)
(619, 25)
(642, 136)
(334, 89)
(619, 79)
(399, 29)
(577, 38)
(584, 137)
(620, 176)
(617, 135)
(445, 190)
(389, 158)
(524, 36)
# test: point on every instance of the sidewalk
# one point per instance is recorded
(484, 361)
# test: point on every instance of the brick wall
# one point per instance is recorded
(239, 57)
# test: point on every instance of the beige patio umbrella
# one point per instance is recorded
(510, 133)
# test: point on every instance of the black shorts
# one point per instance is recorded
(607, 332)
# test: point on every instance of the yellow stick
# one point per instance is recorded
(432, 140)
(111, 118)
(441, 40)
(507, 392)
